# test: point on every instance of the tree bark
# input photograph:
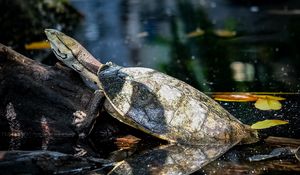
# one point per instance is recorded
(38, 100)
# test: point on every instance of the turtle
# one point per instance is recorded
(153, 102)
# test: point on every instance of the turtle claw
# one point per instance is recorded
(84, 120)
(81, 149)
(78, 119)
(80, 152)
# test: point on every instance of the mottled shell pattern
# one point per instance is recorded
(166, 107)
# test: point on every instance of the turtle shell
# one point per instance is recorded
(167, 108)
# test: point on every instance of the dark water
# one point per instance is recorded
(262, 56)
(258, 53)
(258, 50)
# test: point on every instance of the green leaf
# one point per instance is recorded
(268, 123)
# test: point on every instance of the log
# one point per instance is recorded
(221, 167)
(42, 162)
(50, 162)
(283, 141)
(37, 100)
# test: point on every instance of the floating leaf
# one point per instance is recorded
(225, 33)
(235, 97)
(126, 142)
(37, 45)
(268, 123)
(263, 102)
(196, 33)
(267, 104)
(270, 97)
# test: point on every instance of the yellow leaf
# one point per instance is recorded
(267, 104)
(268, 123)
(37, 45)
(225, 33)
(197, 32)
(270, 97)
(235, 97)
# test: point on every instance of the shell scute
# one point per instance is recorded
(167, 107)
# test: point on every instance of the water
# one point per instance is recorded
(214, 45)
(261, 56)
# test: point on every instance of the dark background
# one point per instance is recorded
(260, 54)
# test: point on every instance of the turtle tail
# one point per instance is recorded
(251, 136)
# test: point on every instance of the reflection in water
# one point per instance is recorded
(154, 34)
(171, 159)
(102, 31)
(33, 17)
(262, 55)
(242, 71)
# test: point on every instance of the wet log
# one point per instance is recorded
(282, 141)
(42, 162)
(220, 167)
(37, 100)
(240, 163)
(50, 162)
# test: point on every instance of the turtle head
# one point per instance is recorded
(71, 53)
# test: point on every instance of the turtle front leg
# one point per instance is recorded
(84, 120)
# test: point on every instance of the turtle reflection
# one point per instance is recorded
(162, 106)
(172, 159)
